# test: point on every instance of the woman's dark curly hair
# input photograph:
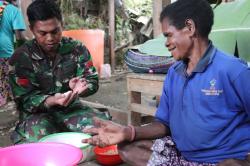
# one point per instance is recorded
(199, 11)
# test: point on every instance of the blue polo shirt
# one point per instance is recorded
(208, 111)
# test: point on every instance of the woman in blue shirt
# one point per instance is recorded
(11, 27)
(204, 113)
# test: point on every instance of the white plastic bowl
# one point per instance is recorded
(72, 138)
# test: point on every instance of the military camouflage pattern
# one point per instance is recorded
(34, 77)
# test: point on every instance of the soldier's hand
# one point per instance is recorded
(81, 86)
(78, 85)
(72, 82)
(62, 99)
(69, 97)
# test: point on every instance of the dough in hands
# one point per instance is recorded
(66, 94)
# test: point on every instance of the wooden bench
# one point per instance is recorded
(138, 84)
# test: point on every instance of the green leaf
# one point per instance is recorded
(231, 27)
(155, 47)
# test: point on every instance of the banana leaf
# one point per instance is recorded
(231, 30)
(155, 47)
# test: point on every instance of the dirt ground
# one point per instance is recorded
(112, 92)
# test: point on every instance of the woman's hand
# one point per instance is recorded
(234, 162)
(107, 133)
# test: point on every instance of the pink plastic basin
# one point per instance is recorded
(40, 154)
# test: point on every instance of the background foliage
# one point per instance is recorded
(144, 9)
(124, 31)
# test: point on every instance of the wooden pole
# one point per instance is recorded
(112, 32)
(23, 6)
(157, 7)
(166, 2)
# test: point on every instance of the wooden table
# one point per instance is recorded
(138, 84)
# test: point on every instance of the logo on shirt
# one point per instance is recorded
(212, 91)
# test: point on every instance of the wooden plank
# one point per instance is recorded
(134, 118)
(137, 85)
(156, 77)
(143, 109)
(118, 115)
(99, 105)
(145, 86)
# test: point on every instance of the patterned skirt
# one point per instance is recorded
(166, 154)
(5, 90)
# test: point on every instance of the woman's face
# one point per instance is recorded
(179, 41)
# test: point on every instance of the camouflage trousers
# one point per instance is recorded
(166, 154)
(38, 125)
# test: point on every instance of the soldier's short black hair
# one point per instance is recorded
(41, 10)
(199, 11)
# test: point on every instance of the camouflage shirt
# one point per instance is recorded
(33, 76)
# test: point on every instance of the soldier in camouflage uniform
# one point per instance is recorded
(48, 75)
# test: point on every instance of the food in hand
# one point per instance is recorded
(66, 94)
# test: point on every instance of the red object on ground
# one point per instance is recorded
(107, 156)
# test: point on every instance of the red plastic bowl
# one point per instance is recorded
(108, 155)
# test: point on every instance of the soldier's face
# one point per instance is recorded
(48, 34)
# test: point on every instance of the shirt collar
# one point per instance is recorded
(37, 52)
(206, 59)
